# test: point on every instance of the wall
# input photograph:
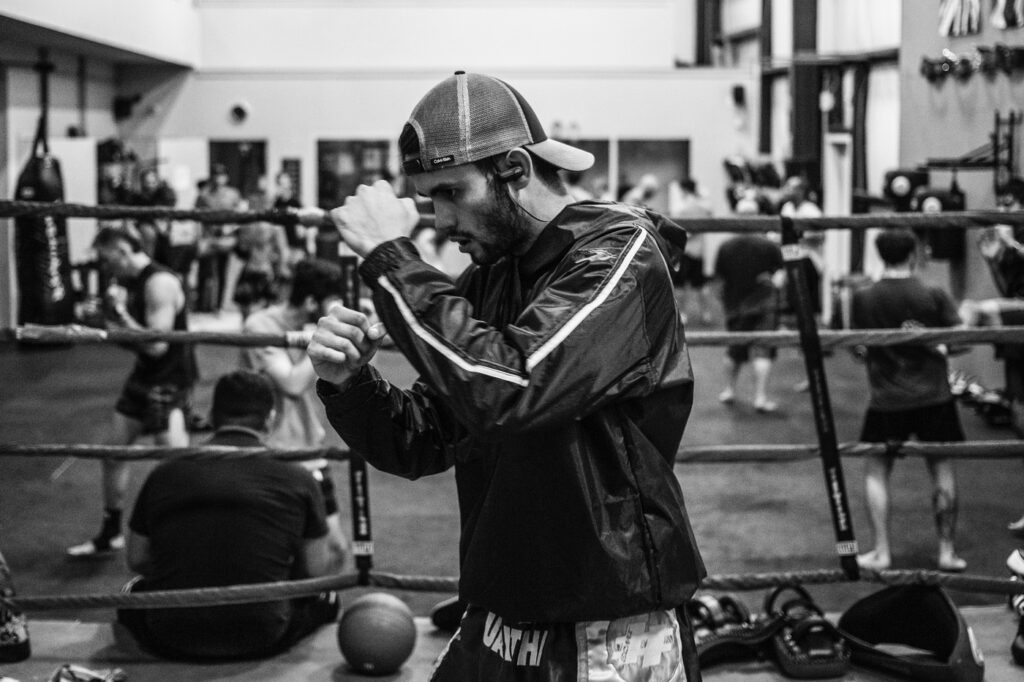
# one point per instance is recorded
(951, 119)
(862, 26)
(167, 30)
(399, 35)
(291, 111)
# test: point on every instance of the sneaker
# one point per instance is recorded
(97, 547)
(766, 406)
(727, 397)
(447, 615)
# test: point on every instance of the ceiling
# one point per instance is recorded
(33, 36)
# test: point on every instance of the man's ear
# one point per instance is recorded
(516, 168)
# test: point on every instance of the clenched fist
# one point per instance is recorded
(343, 342)
(374, 215)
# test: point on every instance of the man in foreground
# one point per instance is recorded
(554, 378)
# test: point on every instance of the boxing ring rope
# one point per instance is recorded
(948, 220)
(259, 592)
(687, 454)
(315, 217)
(76, 334)
(79, 334)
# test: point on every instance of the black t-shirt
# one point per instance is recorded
(905, 377)
(226, 522)
(745, 264)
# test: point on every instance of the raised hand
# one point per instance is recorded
(374, 215)
(343, 342)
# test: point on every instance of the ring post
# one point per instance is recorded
(359, 488)
(795, 257)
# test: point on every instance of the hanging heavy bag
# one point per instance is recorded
(41, 242)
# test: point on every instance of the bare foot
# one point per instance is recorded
(952, 564)
(874, 561)
(727, 397)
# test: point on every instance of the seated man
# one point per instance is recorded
(231, 521)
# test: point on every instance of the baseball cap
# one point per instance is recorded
(470, 116)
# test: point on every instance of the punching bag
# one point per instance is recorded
(41, 242)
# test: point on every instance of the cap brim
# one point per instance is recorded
(562, 155)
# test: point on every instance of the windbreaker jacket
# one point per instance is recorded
(558, 385)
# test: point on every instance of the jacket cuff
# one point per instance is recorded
(386, 257)
(355, 393)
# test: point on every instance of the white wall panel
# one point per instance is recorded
(860, 26)
(400, 36)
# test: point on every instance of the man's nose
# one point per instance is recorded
(444, 219)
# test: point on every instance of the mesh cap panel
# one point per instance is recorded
(468, 117)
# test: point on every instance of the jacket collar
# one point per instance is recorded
(550, 246)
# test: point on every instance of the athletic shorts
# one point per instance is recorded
(691, 272)
(934, 423)
(763, 321)
(645, 647)
(150, 404)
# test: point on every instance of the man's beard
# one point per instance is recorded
(506, 226)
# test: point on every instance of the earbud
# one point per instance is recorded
(510, 174)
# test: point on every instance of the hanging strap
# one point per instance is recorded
(797, 260)
(43, 67)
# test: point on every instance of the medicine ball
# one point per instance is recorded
(376, 634)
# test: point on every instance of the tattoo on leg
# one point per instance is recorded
(944, 506)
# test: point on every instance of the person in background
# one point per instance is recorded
(560, 349)
(285, 199)
(797, 202)
(143, 295)
(643, 191)
(153, 233)
(296, 424)
(217, 240)
(232, 520)
(749, 271)
(574, 181)
(685, 202)
(910, 393)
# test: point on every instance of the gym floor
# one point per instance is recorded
(748, 518)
